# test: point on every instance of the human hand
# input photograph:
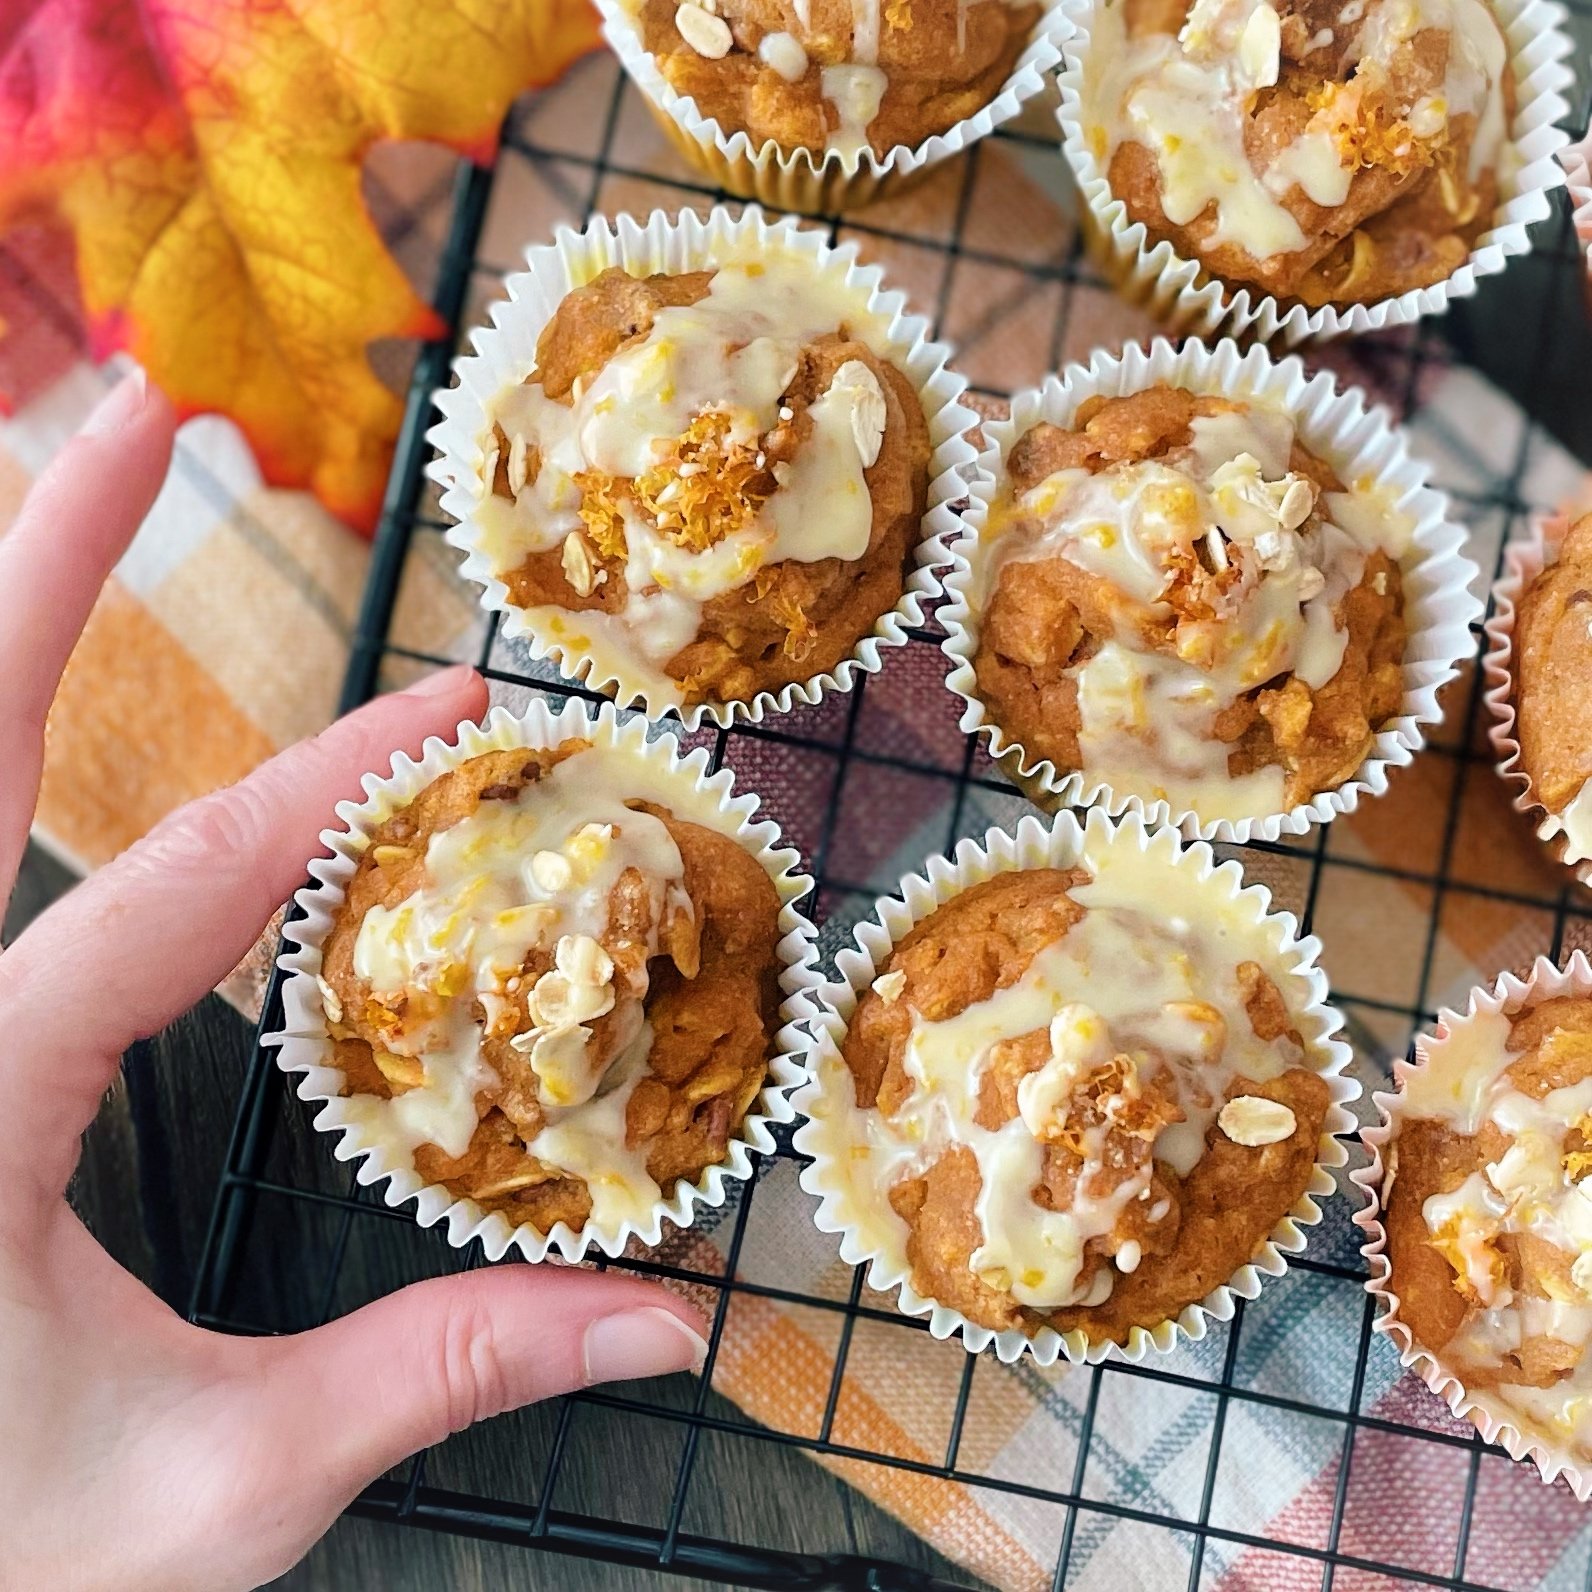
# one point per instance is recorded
(140, 1452)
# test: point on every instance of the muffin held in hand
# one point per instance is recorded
(1487, 1205)
(1081, 1109)
(829, 75)
(1177, 597)
(1553, 690)
(548, 995)
(1324, 154)
(711, 484)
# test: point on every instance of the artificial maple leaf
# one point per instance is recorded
(205, 156)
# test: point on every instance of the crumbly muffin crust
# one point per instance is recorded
(463, 985)
(755, 545)
(1249, 646)
(822, 74)
(1325, 154)
(1553, 685)
(1127, 1130)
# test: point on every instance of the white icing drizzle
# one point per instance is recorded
(1148, 717)
(1187, 100)
(590, 1143)
(1148, 973)
(865, 33)
(732, 353)
(1459, 1072)
(856, 92)
(1531, 1188)
(534, 871)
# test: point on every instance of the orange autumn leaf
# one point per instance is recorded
(205, 156)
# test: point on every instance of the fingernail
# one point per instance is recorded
(120, 406)
(440, 683)
(650, 1341)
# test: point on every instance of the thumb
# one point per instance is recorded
(364, 1392)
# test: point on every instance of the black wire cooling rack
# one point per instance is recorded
(288, 1223)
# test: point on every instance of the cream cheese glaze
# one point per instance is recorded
(1187, 99)
(856, 87)
(534, 871)
(1149, 972)
(1531, 1188)
(730, 355)
(1229, 498)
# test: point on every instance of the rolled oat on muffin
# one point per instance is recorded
(1179, 598)
(1322, 154)
(548, 993)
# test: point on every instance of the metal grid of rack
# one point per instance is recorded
(281, 1210)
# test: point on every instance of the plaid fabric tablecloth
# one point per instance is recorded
(223, 636)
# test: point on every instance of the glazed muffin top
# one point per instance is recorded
(547, 992)
(1326, 153)
(1178, 597)
(1083, 1110)
(831, 75)
(1487, 1203)
(1553, 684)
(710, 483)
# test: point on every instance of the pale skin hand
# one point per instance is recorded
(136, 1451)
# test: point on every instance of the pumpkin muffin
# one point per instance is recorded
(549, 996)
(829, 75)
(710, 484)
(1487, 1205)
(1325, 154)
(1175, 596)
(1082, 1111)
(1552, 687)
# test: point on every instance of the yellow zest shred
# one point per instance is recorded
(600, 513)
(1469, 1252)
(1365, 134)
(379, 1016)
(800, 632)
(720, 491)
(1578, 1162)
(898, 13)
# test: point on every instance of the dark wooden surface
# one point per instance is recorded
(144, 1186)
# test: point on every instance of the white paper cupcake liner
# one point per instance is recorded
(506, 351)
(827, 1101)
(1494, 1419)
(1524, 559)
(1180, 291)
(1577, 162)
(1358, 442)
(823, 180)
(691, 792)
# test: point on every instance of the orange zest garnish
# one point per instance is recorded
(1365, 134)
(600, 513)
(800, 632)
(707, 487)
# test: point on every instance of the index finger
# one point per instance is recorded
(140, 941)
(73, 526)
